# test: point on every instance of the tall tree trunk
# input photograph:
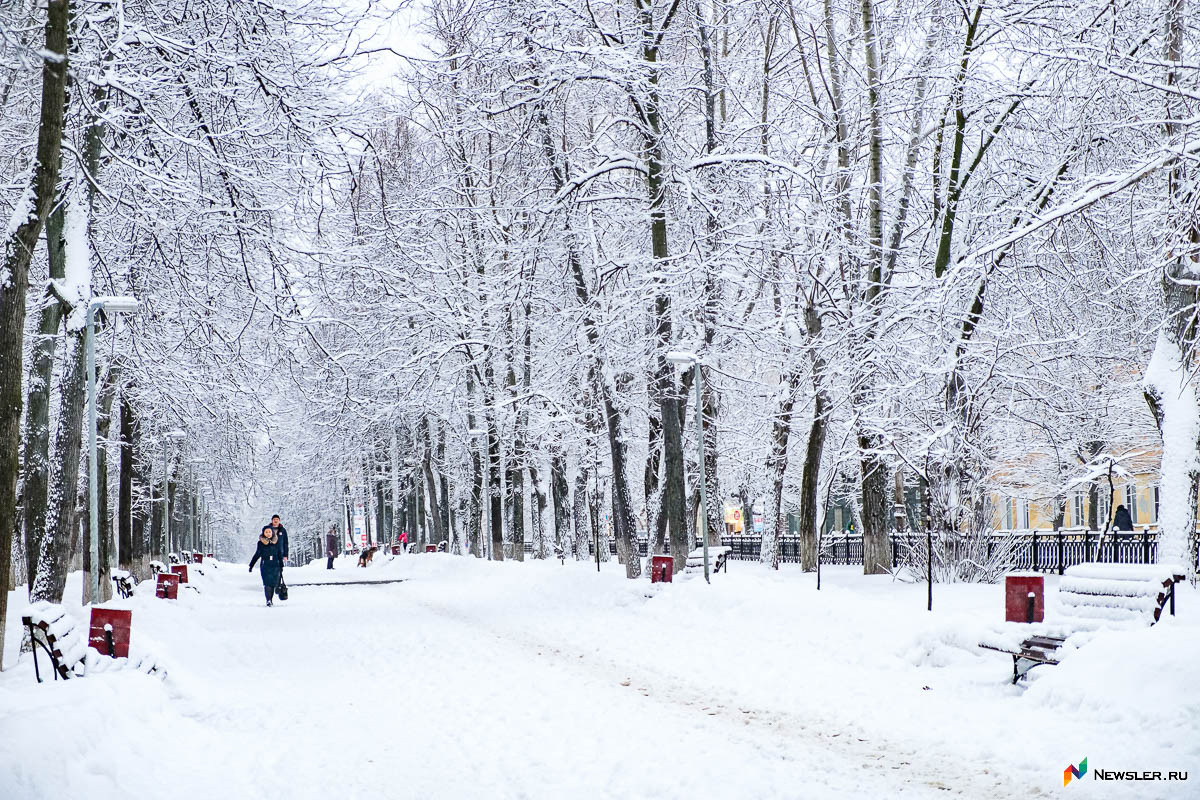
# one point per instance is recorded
(496, 510)
(1169, 383)
(125, 537)
(438, 535)
(35, 491)
(814, 451)
(663, 395)
(537, 513)
(103, 426)
(18, 251)
(595, 504)
(559, 493)
(475, 512)
(774, 521)
(444, 489)
(579, 516)
(516, 498)
(877, 552)
(54, 556)
(709, 396)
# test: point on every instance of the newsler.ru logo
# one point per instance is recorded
(1077, 772)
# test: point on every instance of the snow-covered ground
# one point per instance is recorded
(537, 680)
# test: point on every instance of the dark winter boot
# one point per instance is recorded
(269, 591)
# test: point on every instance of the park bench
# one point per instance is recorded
(718, 559)
(1091, 597)
(76, 650)
(123, 582)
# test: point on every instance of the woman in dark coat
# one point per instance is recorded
(1123, 521)
(271, 566)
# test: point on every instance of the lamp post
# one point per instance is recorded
(115, 305)
(681, 358)
(163, 545)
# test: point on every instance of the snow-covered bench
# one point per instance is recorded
(65, 641)
(718, 559)
(123, 582)
(1091, 597)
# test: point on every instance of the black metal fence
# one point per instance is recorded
(1037, 551)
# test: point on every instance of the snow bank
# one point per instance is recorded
(539, 680)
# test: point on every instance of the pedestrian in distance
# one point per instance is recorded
(270, 562)
(1122, 521)
(331, 546)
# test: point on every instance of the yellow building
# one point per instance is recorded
(1032, 507)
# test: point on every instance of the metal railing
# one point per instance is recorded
(1033, 550)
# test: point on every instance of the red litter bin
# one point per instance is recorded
(181, 571)
(109, 632)
(395, 549)
(662, 569)
(168, 585)
(1024, 597)
(431, 548)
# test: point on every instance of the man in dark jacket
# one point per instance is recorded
(331, 546)
(282, 532)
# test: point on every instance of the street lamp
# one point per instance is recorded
(116, 305)
(684, 359)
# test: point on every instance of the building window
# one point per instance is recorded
(1078, 519)
(1155, 520)
(1008, 513)
(1103, 511)
(1131, 501)
(1025, 515)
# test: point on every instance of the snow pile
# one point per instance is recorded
(540, 680)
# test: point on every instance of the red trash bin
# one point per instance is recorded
(1024, 597)
(168, 585)
(662, 569)
(108, 633)
(431, 548)
(181, 571)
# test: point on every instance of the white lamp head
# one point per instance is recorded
(682, 358)
(118, 305)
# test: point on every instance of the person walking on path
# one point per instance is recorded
(267, 556)
(331, 547)
(1122, 521)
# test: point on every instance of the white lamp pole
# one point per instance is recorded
(690, 359)
(115, 305)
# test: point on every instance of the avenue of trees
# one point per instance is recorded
(948, 247)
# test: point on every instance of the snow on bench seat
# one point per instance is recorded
(1118, 595)
(1091, 597)
(66, 640)
(717, 558)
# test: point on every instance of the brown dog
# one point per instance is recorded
(366, 556)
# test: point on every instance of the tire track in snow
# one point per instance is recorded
(748, 723)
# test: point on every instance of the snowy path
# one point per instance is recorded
(488, 714)
(512, 681)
